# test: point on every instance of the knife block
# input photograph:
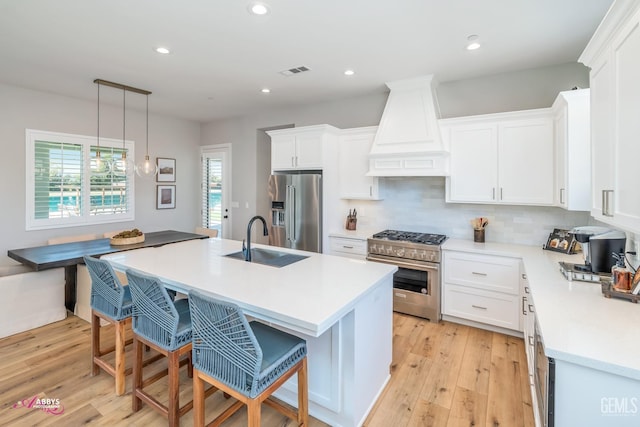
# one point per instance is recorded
(351, 223)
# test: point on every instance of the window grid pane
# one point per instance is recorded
(108, 191)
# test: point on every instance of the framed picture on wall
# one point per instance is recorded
(166, 197)
(166, 169)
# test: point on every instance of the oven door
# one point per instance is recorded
(416, 287)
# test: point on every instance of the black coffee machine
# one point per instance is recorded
(598, 245)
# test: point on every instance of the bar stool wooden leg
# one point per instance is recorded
(174, 393)
(253, 410)
(120, 360)
(198, 400)
(137, 374)
(95, 344)
(303, 398)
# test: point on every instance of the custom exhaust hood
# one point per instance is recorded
(408, 140)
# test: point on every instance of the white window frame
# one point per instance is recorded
(84, 218)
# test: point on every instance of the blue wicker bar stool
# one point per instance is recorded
(165, 326)
(112, 302)
(248, 361)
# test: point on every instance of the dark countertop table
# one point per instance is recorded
(69, 255)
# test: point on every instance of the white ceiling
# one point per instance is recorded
(222, 56)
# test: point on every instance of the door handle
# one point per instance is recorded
(225, 216)
(562, 196)
(493, 193)
(500, 193)
(478, 307)
(293, 212)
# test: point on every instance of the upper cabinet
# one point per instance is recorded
(300, 148)
(354, 147)
(573, 154)
(612, 55)
(504, 158)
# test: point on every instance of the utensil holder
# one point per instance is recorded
(351, 223)
(478, 235)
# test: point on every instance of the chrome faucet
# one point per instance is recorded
(246, 250)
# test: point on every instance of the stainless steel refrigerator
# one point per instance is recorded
(296, 211)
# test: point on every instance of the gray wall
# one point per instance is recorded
(168, 137)
(520, 90)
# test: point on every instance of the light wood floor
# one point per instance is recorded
(442, 375)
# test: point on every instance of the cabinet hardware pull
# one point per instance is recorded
(531, 308)
(606, 202)
(493, 193)
(400, 295)
(478, 274)
(524, 302)
(347, 247)
(370, 191)
(530, 340)
(478, 307)
(296, 161)
(524, 276)
(562, 196)
(526, 289)
(292, 162)
(500, 193)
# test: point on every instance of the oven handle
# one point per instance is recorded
(433, 267)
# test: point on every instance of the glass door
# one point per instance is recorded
(216, 188)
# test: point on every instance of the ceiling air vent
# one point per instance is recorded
(294, 71)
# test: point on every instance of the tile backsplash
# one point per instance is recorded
(418, 204)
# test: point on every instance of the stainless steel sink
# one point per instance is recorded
(268, 257)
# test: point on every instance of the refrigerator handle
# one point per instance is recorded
(292, 204)
(287, 213)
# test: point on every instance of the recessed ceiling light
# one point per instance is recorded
(258, 8)
(473, 42)
(266, 90)
(163, 50)
(349, 72)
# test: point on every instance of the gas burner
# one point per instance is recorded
(412, 237)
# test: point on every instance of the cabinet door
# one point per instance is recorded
(626, 56)
(474, 166)
(354, 165)
(560, 137)
(525, 162)
(308, 150)
(601, 81)
(283, 152)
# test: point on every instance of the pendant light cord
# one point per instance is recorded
(124, 121)
(147, 150)
(98, 137)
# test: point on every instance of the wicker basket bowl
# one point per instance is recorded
(121, 241)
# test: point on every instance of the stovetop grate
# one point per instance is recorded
(409, 236)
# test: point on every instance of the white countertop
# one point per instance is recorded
(578, 324)
(307, 296)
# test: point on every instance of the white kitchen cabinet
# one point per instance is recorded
(612, 55)
(573, 153)
(354, 147)
(299, 148)
(482, 288)
(504, 158)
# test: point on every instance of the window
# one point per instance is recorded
(61, 189)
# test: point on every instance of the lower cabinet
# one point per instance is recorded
(351, 247)
(484, 289)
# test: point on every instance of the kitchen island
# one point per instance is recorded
(342, 307)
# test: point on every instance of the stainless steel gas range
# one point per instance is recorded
(416, 284)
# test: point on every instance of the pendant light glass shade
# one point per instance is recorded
(123, 165)
(97, 164)
(146, 168)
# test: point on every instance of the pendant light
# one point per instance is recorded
(123, 165)
(98, 165)
(146, 168)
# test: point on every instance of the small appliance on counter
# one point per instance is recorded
(598, 246)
